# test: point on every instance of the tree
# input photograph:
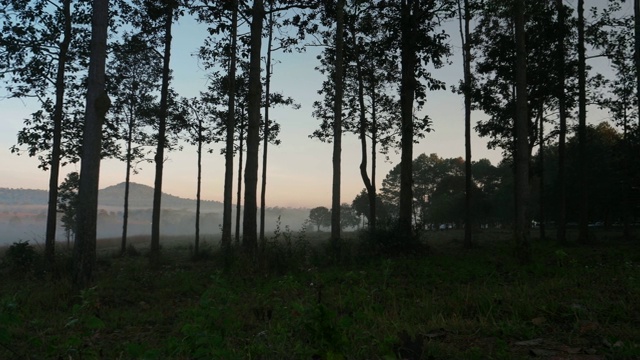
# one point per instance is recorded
(269, 127)
(228, 173)
(249, 225)
(562, 114)
(522, 151)
(320, 216)
(348, 216)
(337, 126)
(466, 90)
(222, 17)
(361, 206)
(614, 36)
(98, 103)
(200, 131)
(418, 44)
(133, 78)
(428, 172)
(166, 14)
(68, 203)
(27, 29)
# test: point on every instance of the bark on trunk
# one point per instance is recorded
(468, 182)
(239, 194)
(154, 253)
(363, 131)
(196, 247)
(98, 103)
(543, 233)
(521, 233)
(337, 127)
(265, 132)
(127, 183)
(407, 94)
(562, 108)
(373, 197)
(231, 123)
(583, 231)
(249, 224)
(52, 209)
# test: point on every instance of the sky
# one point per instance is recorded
(299, 171)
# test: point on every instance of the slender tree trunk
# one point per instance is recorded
(337, 127)
(583, 231)
(468, 176)
(249, 224)
(363, 130)
(127, 183)
(154, 254)
(52, 213)
(562, 108)
(265, 132)
(636, 11)
(231, 123)
(628, 173)
(543, 233)
(239, 194)
(196, 247)
(407, 94)
(373, 198)
(98, 103)
(521, 233)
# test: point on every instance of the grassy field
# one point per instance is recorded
(575, 302)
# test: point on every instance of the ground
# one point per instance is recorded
(296, 302)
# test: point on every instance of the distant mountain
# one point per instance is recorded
(140, 197)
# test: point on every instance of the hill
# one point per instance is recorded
(140, 197)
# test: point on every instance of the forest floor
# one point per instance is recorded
(571, 302)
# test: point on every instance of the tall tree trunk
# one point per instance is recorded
(468, 176)
(543, 233)
(127, 183)
(265, 132)
(249, 224)
(239, 194)
(196, 247)
(630, 210)
(154, 253)
(407, 94)
(231, 123)
(373, 197)
(52, 213)
(636, 12)
(337, 127)
(562, 108)
(583, 231)
(521, 233)
(98, 103)
(363, 129)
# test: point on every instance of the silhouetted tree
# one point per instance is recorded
(98, 103)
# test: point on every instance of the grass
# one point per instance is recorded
(572, 302)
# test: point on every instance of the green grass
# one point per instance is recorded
(296, 303)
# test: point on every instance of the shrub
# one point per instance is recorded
(386, 240)
(20, 256)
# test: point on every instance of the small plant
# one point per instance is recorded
(84, 323)
(21, 256)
